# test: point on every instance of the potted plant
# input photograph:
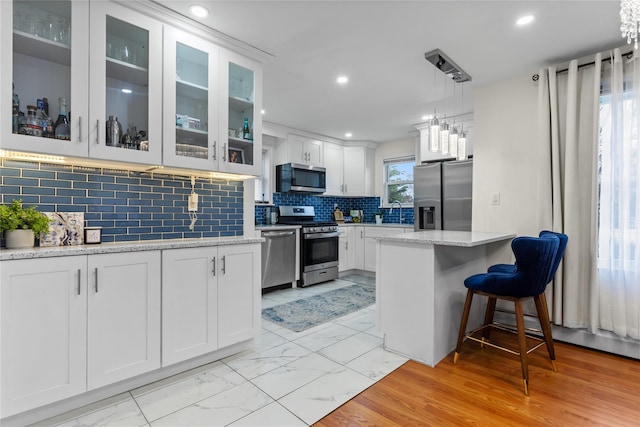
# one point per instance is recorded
(21, 225)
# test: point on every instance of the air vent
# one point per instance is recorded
(443, 63)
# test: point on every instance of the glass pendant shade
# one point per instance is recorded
(453, 142)
(434, 134)
(462, 146)
(629, 20)
(444, 138)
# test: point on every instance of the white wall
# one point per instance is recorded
(505, 159)
(389, 150)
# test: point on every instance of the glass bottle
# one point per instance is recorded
(34, 124)
(15, 111)
(246, 132)
(62, 128)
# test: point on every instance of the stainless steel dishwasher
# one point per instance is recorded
(278, 257)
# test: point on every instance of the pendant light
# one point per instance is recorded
(453, 141)
(434, 133)
(444, 138)
(462, 145)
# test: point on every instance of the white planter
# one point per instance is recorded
(19, 239)
(378, 219)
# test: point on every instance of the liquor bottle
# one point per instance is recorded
(43, 116)
(34, 123)
(16, 111)
(62, 128)
(246, 132)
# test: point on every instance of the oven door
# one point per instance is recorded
(319, 250)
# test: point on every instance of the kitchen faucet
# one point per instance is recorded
(399, 207)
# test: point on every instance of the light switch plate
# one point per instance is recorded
(495, 198)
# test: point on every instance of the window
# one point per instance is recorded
(398, 180)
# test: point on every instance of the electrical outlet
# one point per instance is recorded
(193, 202)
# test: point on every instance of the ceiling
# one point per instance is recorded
(380, 46)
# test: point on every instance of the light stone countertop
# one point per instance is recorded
(116, 247)
(373, 224)
(448, 238)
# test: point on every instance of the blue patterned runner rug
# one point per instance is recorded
(318, 309)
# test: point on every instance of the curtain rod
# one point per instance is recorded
(628, 55)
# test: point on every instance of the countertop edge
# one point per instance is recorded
(448, 238)
(118, 247)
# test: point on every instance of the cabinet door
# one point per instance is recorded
(333, 163)
(370, 254)
(189, 303)
(190, 101)
(126, 84)
(238, 293)
(314, 149)
(44, 48)
(43, 334)
(240, 102)
(357, 237)
(123, 316)
(343, 250)
(354, 171)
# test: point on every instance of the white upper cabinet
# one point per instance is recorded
(126, 84)
(300, 149)
(44, 46)
(190, 117)
(334, 165)
(240, 125)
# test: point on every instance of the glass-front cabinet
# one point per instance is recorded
(190, 101)
(44, 46)
(126, 85)
(240, 114)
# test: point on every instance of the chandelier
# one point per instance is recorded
(629, 18)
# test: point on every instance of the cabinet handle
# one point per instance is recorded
(96, 271)
(224, 152)
(213, 260)
(214, 151)
(79, 129)
(224, 265)
(79, 280)
(347, 246)
(98, 131)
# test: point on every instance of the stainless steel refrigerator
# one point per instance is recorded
(442, 195)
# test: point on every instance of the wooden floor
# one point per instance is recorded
(485, 388)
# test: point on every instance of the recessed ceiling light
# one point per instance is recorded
(427, 117)
(524, 20)
(342, 80)
(348, 135)
(198, 11)
(261, 111)
(126, 90)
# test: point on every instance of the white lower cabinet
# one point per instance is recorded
(72, 324)
(344, 258)
(356, 240)
(44, 331)
(238, 293)
(124, 316)
(210, 299)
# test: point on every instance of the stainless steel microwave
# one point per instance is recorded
(294, 177)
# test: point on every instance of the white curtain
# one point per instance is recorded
(571, 101)
(590, 190)
(619, 228)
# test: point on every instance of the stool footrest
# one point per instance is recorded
(483, 341)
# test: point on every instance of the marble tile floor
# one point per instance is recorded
(288, 379)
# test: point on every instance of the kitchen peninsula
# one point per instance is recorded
(420, 288)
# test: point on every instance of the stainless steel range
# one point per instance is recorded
(318, 244)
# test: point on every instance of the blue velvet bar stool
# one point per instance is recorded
(535, 259)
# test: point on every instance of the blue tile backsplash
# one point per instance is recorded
(324, 206)
(129, 206)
